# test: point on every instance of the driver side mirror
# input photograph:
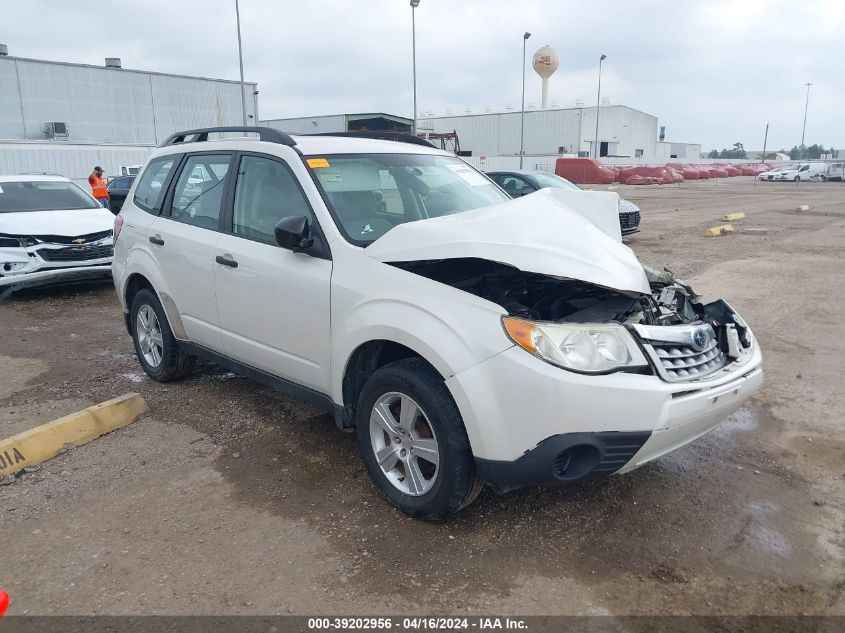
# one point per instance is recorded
(293, 233)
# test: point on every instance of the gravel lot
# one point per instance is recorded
(229, 498)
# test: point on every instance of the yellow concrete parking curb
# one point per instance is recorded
(48, 440)
(719, 230)
(733, 217)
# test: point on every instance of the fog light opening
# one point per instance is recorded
(576, 462)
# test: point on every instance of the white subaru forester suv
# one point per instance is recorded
(468, 338)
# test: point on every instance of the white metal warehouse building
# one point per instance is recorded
(624, 133)
(65, 118)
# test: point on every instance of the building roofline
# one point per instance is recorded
(121, 69)
(343, 114)
(527, 112)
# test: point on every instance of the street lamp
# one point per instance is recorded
(522, 116)
(241, 61)
(598, 107)
(804, 127)
(414, 5)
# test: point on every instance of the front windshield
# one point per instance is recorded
(372, 193)
(555, 182)
(43, 195)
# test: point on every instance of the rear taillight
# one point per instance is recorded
(118, 224)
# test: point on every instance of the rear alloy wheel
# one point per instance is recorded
(159, 353)
(149, 335)
(413, 441)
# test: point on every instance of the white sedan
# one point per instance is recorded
(51, 230)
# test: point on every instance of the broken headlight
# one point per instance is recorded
(582, 347)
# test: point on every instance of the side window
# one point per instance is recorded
(150, 189)
(266, 191)
(199, 190)
(515, 186)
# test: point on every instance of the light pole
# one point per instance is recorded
(522, 115)
(241, 61)
(414, 5)
(598, 109)
(804, 127)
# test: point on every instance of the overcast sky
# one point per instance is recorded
(713, 72)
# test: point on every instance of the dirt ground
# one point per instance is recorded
(229, 498)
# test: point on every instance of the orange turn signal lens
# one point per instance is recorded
(521, 332)
(317, 163)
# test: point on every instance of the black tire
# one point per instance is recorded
(175, 363)
(456, 484)
(797, 179)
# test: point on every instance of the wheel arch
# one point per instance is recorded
(136, 282)
(365, 359)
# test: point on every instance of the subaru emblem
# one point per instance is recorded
(699, 339)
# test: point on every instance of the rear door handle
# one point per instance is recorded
(226, 260)
(156, 239)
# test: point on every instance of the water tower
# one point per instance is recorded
(545, 64)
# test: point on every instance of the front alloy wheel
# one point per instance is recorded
(413, 441)
(404, 444)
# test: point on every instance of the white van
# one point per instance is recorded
(834, 171)
(804, 171)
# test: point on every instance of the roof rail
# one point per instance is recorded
(401, 137)
(269, 134)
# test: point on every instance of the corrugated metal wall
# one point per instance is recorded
(508, 163)
(104, 105)
(546, 131)
(70, 160)
(309, 125)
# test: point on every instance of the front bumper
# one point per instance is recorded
(47, 263)
(49, 276)
(519, 410)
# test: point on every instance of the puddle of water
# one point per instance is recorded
(229, 375)
(744, 420)
(761, 536)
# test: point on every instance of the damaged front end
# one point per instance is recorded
(577, 325)
(28, 261)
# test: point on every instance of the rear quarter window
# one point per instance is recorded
(152, 182)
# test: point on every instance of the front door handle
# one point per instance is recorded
(156, 239)
(226, 260)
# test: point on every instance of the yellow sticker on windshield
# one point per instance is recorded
(316, 163)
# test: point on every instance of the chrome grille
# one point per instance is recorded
(682, 352)
(685, 363)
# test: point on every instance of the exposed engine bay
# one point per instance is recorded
(685, 338)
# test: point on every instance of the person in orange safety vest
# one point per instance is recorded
(98, 186)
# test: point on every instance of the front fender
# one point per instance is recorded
(448, 344)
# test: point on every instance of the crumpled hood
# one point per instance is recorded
(69, 223)
(566, 234)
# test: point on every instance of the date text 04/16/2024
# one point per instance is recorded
(417, 623)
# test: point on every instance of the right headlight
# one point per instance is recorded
(581, 347)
